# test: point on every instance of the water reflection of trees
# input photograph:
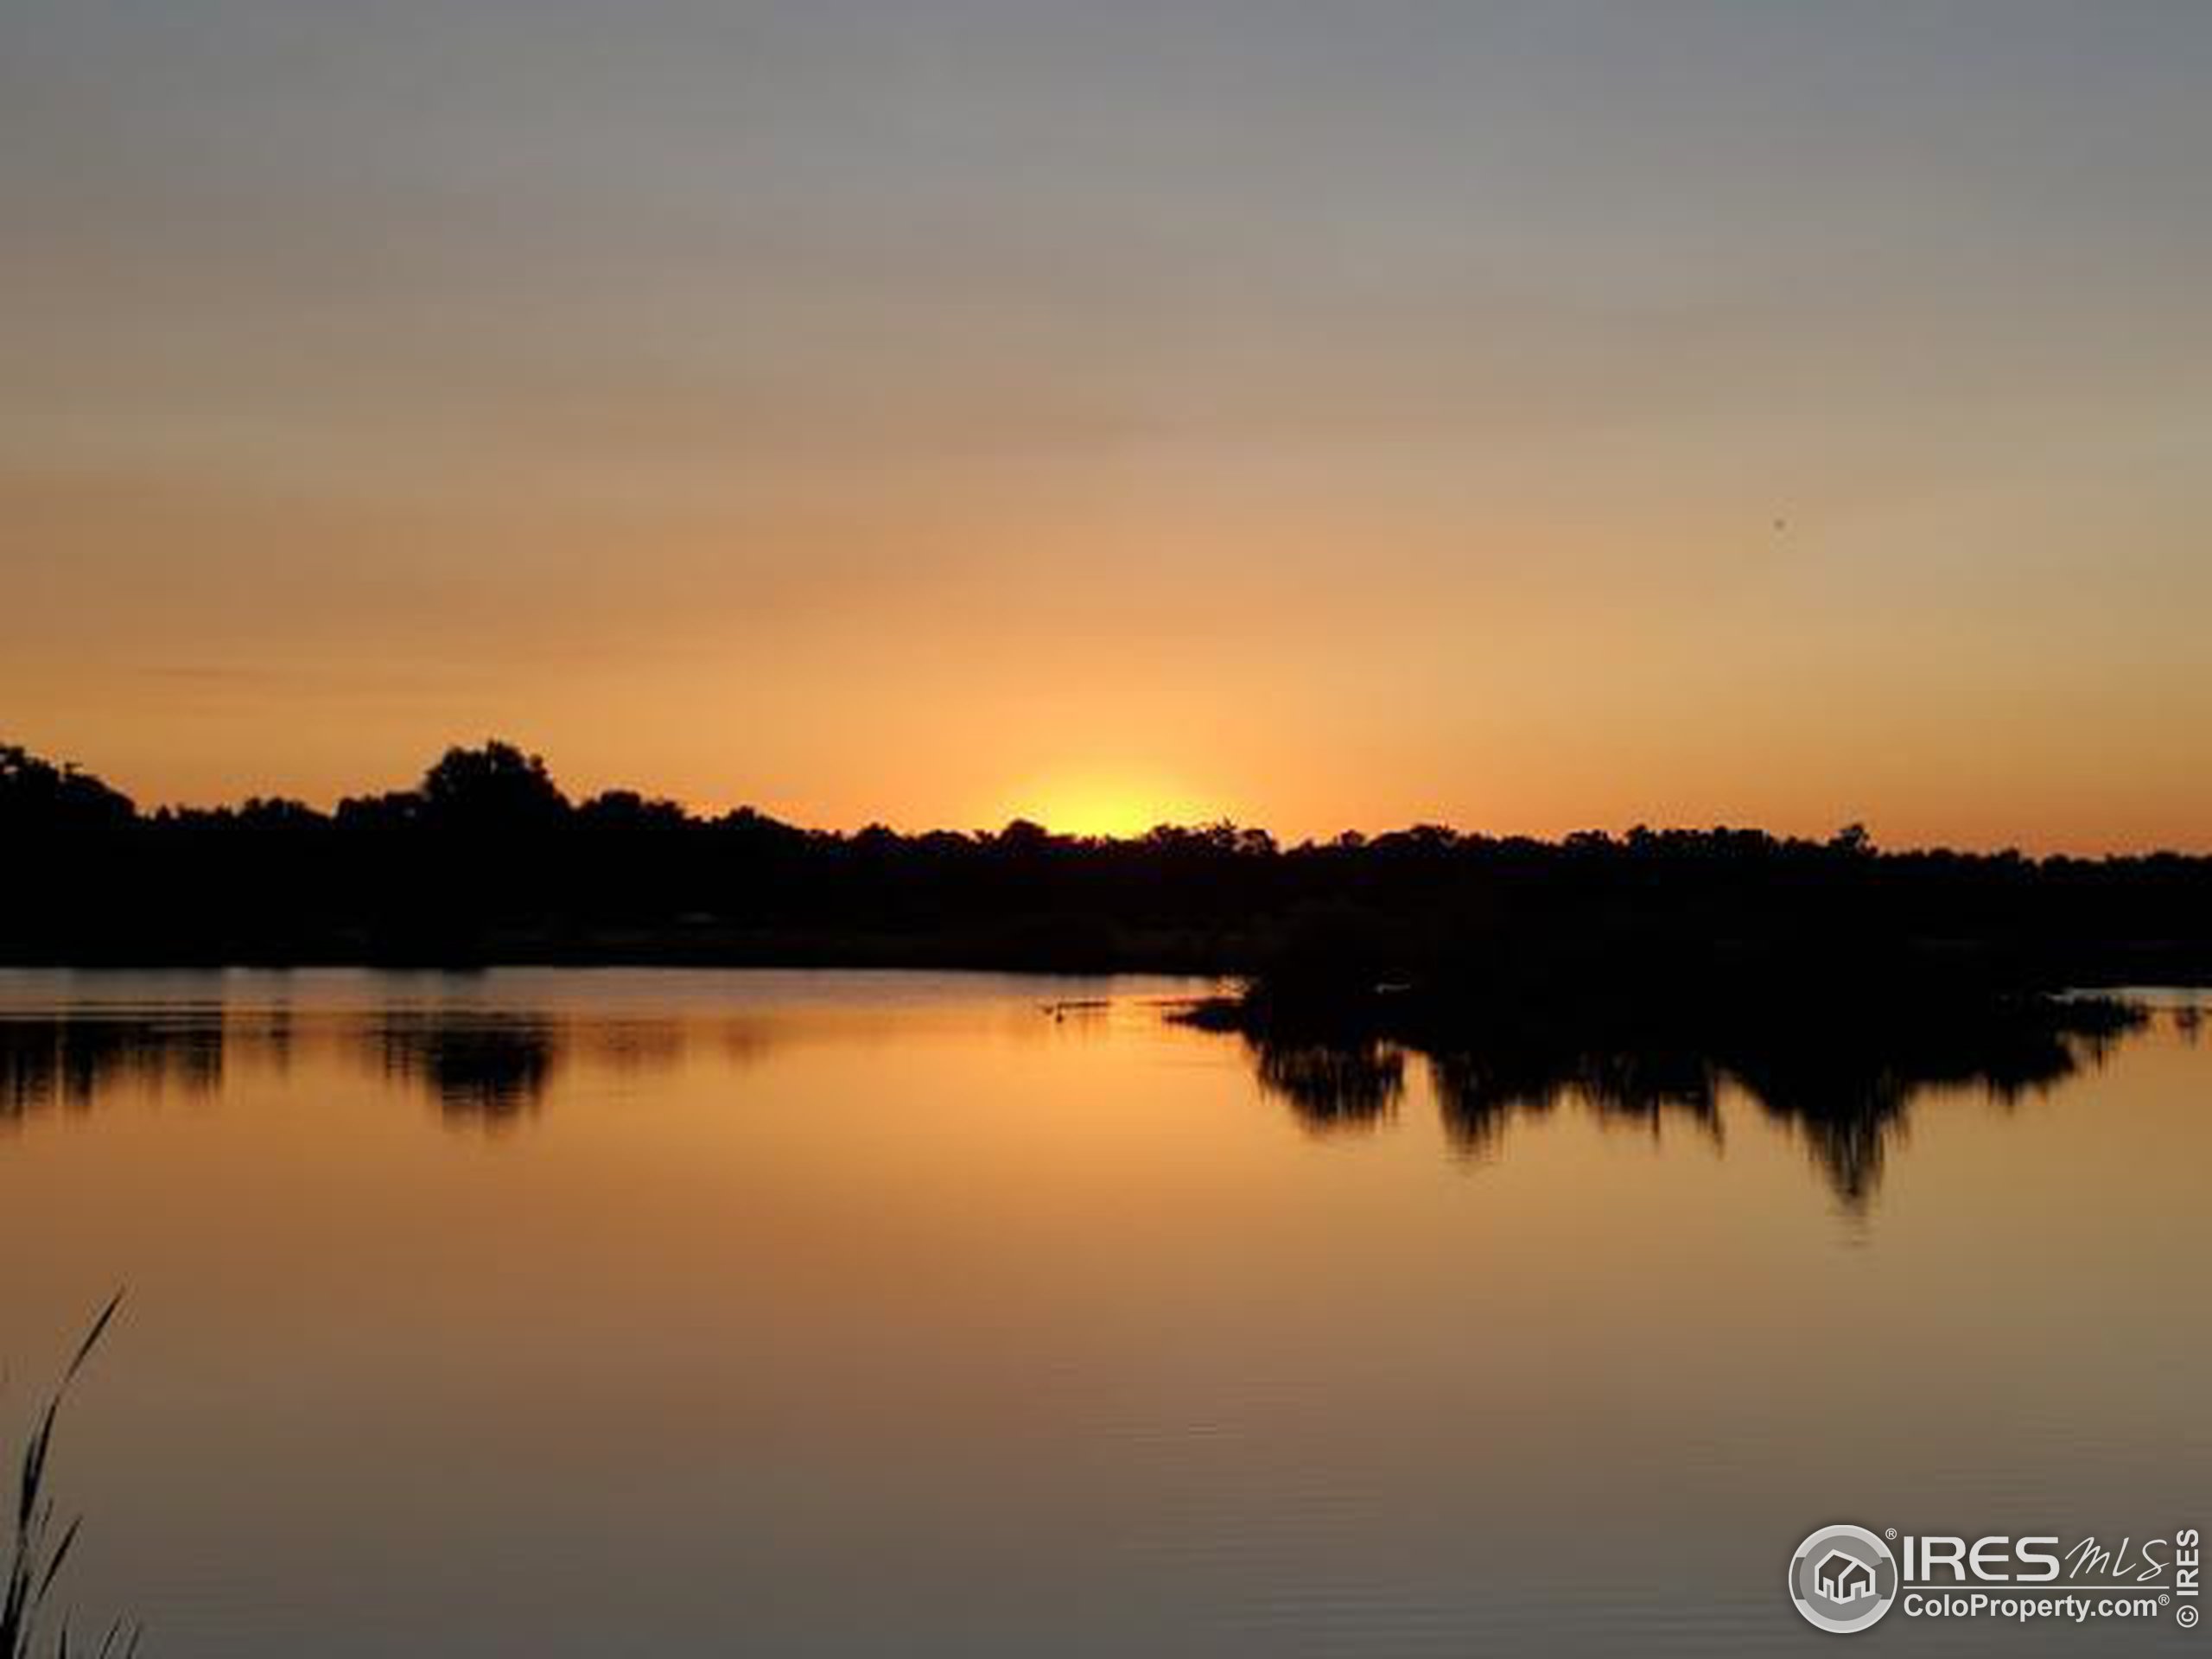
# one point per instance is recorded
(1334, 1085)
(1844, 1082)
(76, 1059)
(1480, 1090)
(475, 1064)
(486, 1067)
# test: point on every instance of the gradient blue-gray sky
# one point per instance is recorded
(1527, 416)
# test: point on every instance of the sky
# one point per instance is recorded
(930, 412)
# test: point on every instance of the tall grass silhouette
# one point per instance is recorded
(39, 1554)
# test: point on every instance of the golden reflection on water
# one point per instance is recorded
(554, 1313)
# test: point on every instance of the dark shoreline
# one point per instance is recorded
(487, 860)
(2114, 966)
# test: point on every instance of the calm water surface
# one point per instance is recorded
(543, 1313)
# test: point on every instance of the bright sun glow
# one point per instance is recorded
(1109, 805)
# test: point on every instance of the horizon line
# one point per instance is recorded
(1853, 831)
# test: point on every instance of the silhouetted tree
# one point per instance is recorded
(39, 798)
(496, 788)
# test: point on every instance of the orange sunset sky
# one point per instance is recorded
(1328, 417)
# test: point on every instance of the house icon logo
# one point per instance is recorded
(1843, 1578)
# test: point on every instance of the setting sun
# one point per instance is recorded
(1110, 803)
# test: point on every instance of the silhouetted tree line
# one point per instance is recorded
(489, 860)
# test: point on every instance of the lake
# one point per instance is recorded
(583, 1313)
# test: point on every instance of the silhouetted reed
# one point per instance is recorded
(39, 1553)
